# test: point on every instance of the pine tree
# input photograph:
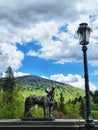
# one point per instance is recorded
(62, 105)
(9, 82)
(8, 86)
(8, 89)
(82, 108)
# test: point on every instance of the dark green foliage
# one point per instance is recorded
(9, 82)
(61, 104)
(56, 106)
(82, 108)
(95, 97)
(18, 102)
(72, 110)
(8, 86)
(9, 95)
(95, 114)
(15, 107)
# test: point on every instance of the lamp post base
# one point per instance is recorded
(89, 123)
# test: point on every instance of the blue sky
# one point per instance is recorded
(38, 38)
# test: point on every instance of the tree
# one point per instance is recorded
(62, 105)
(8, 86)
(95, 97)
(9, 82)
(82, 108)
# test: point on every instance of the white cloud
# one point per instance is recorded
(17, 74)
(67, 49)
(17, 18)
(64, 50)
(42, 32)
(22, 21)
(74, 80)
(32, 53)
(10, 56)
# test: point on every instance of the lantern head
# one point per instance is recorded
(84, 33)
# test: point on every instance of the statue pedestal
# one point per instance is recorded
(37, 119)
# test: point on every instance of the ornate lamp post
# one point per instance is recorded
(84, 35)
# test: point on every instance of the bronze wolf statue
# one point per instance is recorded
(45, 101)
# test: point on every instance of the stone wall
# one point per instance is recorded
(58, 124)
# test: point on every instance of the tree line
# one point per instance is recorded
(10, 100)
(76, 108)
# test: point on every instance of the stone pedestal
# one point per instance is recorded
(58, 124)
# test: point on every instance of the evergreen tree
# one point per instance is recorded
(95, 97)
(82, 108)
(56, 106)
(9, 82)
(8, 86)
(62, 105)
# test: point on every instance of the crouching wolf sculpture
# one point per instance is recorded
(45, 101)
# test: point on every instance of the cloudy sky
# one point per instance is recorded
(38, 37)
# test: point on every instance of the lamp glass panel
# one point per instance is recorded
(87, 35)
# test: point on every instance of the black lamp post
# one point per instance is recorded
(84, 35)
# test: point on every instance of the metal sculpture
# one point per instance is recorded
(45, 101)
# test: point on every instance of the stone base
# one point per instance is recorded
(58, 124)
(37, 119)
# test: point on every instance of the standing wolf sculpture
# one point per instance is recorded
(45, 101)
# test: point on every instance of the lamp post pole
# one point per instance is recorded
(89, 119)
(84, 33)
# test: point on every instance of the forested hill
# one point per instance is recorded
(31, 83)
(37, 82)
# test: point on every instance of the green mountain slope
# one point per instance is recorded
(36, 85)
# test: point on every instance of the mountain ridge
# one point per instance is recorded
(37, 82)
(32, 77)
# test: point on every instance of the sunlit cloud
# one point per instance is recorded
(74, 80)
